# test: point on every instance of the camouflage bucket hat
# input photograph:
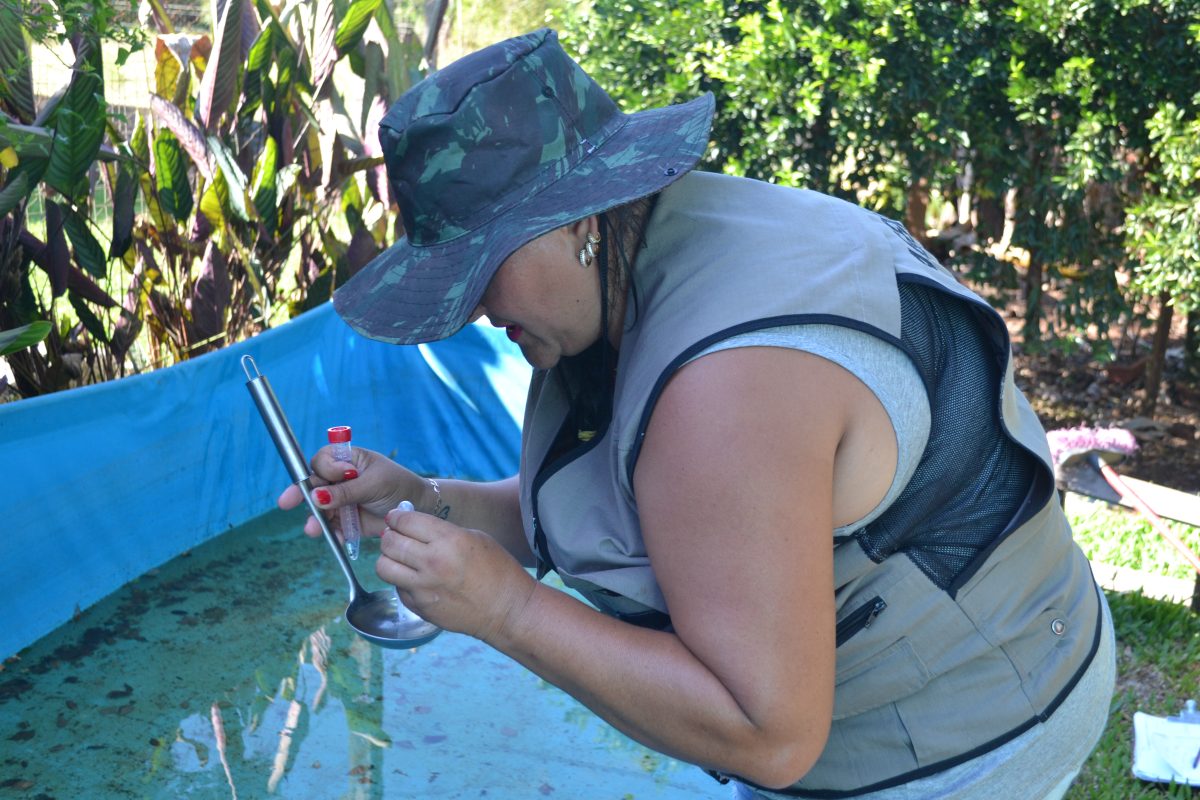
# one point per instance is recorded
(498, 148)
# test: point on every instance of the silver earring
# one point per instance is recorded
(588, 252)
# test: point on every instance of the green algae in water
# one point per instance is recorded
(230, 672)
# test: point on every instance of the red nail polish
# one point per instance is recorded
(349, 474)
(323, 496)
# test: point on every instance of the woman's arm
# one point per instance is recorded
(736, 497)
(494, 507)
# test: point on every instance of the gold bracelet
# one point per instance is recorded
(439, 510)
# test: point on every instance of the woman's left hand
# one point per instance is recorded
(460, 580)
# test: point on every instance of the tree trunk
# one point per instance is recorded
(1031, 331)
(915, 207)
(1158, 354)
(1191, 339)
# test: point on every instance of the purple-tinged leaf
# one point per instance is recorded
(125, 332)
(210, 296)
(124, 197)
(325, 52)
(361, 250)
(251, 27)
(79, 284)
(190, 137)
(218, 87)
(377, 178)
(57, 254)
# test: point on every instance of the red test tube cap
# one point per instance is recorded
(339, 433)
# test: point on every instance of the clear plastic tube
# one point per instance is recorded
(339, 437)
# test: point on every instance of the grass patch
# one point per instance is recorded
(1158, 647)
(1125, 538)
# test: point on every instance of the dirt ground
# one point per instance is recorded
(1072, 391)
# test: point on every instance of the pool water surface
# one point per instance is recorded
(230, 672)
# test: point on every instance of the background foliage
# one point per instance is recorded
(1034, 145)
(1048, 144)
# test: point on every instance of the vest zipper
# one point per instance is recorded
(860, 618)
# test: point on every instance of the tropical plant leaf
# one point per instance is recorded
(354, 23)
(16, 75)
(251, 26)
(79, 122)
(16, 339)
(139, 141)
(171, 73)
(80, 284)
(126, 331)
(123, 202)
(171, 176)
(27, 141)
(215, 200)
(218, 87)
(210, 295)
(57, 256)
(377, 178)
(234, 177)
(286, 59)
(88, 252)
(405, 60)
(263, 185)
(153, 10)
(325, 51)
(375, 83)
(14, 192)
(91, 322)
(262, 49)
(189, 136)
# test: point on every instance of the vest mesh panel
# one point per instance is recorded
(972, 479)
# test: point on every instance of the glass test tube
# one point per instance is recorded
(339, 437)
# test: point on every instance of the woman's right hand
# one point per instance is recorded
(373, 482)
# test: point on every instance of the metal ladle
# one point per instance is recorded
(379, 617)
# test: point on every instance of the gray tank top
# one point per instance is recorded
(882, 367)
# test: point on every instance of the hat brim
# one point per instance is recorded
(410, 294)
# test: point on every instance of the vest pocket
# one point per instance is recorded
(885, 677)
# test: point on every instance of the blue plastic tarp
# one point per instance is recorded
(108, 481)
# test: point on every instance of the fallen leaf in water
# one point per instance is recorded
(17, 783)
(22, 736)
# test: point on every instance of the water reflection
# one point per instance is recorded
(230, 673)
(315, 717)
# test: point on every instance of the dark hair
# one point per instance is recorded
(589, 377)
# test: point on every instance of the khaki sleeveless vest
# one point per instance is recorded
(936, 664)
